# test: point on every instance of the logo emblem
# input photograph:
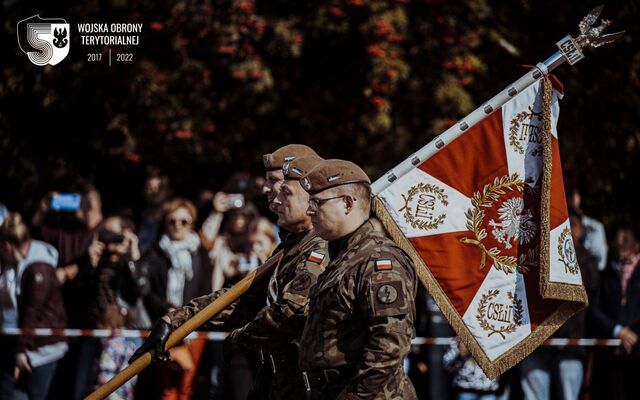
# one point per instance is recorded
(44, 40)
(420, 205)
(567, 252)
(306, 185)
(496, 316)
(525, 134)
(516, 224)
(387, 294)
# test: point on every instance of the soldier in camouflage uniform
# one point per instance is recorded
(273, 330)
(362, 308)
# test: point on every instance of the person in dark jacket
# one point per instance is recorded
(178, 270)
(39, 305)
(617, 315)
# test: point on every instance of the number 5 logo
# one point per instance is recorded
(44, 40)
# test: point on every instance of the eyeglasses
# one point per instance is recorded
(179, 222)
(314, 204)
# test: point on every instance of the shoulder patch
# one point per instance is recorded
(383, 265)
(388, 299)
(302, 282)
(315, 257)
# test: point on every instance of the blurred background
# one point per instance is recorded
(214, 84)
(166, 150)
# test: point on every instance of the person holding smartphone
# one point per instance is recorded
(226, 232)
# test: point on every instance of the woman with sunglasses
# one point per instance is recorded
(179, 270)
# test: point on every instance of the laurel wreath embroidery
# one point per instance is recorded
(569, 267)
(518, 311)
(408, 214)
(515, 126)
(475, 216)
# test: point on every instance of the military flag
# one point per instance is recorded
(481, 210)
(485, 221)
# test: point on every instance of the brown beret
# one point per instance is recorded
(296, 169)
(290, 152)
(331, 173)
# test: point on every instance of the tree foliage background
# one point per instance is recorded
(215, 83)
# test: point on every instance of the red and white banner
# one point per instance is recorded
(485, 221)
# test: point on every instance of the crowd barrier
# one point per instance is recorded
(218, 336)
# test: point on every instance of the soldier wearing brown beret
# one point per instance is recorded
(362, 308)
(273, 163)
(270, 316)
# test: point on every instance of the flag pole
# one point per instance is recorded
(189, 326)
(570, 50)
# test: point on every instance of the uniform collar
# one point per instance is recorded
(339, 245)
(292, 239)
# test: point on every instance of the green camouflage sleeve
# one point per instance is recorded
(277, 325)
(235, 315)
(386, 297)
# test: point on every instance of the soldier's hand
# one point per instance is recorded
(156, 342)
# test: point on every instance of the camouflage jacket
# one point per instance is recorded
(296, 249)
(363, 308)
(280, 322)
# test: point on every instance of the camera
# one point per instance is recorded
(108, 237)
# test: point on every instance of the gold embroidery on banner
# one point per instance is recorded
(505, 313)
(423, 217)
(528, 133)
(567, 253)
(475, 216)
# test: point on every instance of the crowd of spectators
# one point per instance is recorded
(78, 267)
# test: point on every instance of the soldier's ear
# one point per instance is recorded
(348, 200)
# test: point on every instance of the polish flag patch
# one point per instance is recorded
(383, 265)
(315, 257)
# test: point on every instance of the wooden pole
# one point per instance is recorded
(191, 325)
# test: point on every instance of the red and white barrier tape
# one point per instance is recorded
(218, 336)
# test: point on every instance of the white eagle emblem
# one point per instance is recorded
(516, 223)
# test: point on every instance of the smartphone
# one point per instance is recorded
(235, 200)
(65, 202)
